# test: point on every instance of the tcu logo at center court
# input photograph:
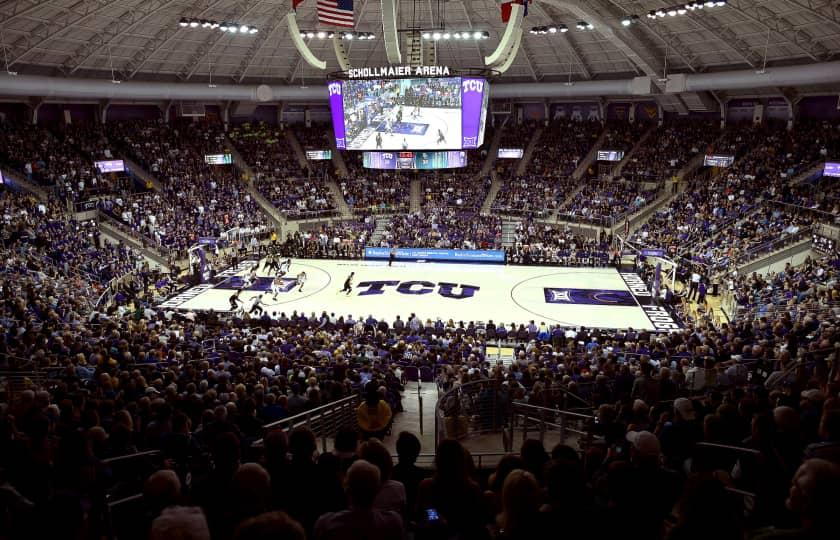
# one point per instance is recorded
(334, 89)
(472, 85)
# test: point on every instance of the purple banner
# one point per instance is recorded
(473, 92)
(335, 89)
(114, 165)
(832, 169)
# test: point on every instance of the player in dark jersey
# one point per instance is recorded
(441, 138)
(378, 140)
(234, 300)
(348, 284)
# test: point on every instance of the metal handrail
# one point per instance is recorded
(324, 420)
(127, 457)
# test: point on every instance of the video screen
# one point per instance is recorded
(317, 155)
(113, 165)
(610, 155)
(718, 160)
(414, 160)
(409, 114)
(218, 159)
(510, 153)
(831, 169)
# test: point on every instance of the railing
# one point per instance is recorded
(771, 246)
(481, 408)
(542, 420)
(324, 421)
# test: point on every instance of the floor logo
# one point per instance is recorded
(593, 297)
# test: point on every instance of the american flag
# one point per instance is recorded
(336, 12)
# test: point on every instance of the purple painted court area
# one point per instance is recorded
(404, 128)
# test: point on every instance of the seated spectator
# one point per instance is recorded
(391, 494)
(180, 522)
(374, 414)
(361, 521)
(270, 526)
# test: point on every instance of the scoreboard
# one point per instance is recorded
(414, 160)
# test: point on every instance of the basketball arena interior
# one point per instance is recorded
(432, 270)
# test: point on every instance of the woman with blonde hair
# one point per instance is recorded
(520, 517)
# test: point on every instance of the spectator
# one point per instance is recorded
(361, 521)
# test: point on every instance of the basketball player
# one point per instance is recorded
(256, 308)
(234, 300)
(271, 262)
(441, 138)
(277, 286)
(416, 112)
(348, 284)
(301, 279)
(404, 144)
(391, 256)
(284, 267)
(250, 278)
(378, 140)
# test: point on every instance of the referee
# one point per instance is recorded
(392, 255)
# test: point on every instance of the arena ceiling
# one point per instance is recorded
(142, 40)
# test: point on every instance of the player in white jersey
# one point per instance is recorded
(277, 286)
(284, 267)
(301, 279)
(250, 278)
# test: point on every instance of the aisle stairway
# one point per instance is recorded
(589, 159)
(416, 198)
(381, 226)
(239, 161)
(296, 147)
(522, 166)
(495, 186)
(141, 173)
(491, 153)
(341, 204)
(629, 155)
(508, 232)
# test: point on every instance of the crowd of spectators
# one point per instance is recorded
(605, 203)
(454, 189)
(562, 146)
(297, 193)
(60, 161)
(547, 244)
(340, 240)
(622, 135)
(532, 195)
(444, 227)
(669, 148)
(376, 192)
(43, 233)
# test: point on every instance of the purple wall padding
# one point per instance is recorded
(15, 112)
(740, 110)
(123, 113)
(619, 111)
(820, 108)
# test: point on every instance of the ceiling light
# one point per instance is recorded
(205, 24)
(672, 12)
(478, 35)
(330, 35)
(253, 30)
(681, 11)
(552, 29)
(348, 35)
(310, 34)
(626, 21)
(193, 24)
(710, 4)
(214, 25)
(243, 28)
(183, 23)
(427, 35)
(720, 3)
(233, 29)
(456, 35)
(564, 28)
(322, 34)
(436, 36)
(660, 13)
(447, 35)
(589, 26)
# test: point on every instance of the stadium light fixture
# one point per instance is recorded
(427, 35)
(193, 23)
(456, 35)
(552, 29)
(183, 23)
(479, 35)
(447, 35)
(322, 34)
(436, 36)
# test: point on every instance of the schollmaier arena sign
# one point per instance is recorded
(397, 71)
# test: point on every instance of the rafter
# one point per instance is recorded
(771, 20)
(160, 40)
(32, 7)
(128, 21)
(239, 11)
(827, 11)
(729, 38)
(54, 27)
(532, 66)
(549, 16)
(258, 44)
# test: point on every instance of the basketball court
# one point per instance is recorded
(591, 297)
